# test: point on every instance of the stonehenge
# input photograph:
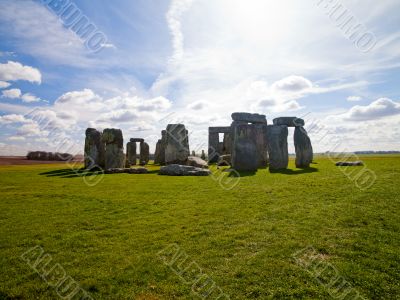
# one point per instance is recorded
(248, 144)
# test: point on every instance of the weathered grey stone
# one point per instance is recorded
(163, 146)
(224, 160)
(196, 162)
(180, 170)
(248, 117)
(140, 170)
(177, 144)
(131, 154)
(349, 163)
(213, 145)
(227, 144)
(219, 129)
(303, 147)
(114, 155)
(261, 144)
(116, 170)
(137, 140)
(244, 149)
(94, 149)
(278, 146)
(144, 154)
(203, 155)
(157, 153)
(289, 121)
(193, 153)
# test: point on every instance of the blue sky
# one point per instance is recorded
(196, 62)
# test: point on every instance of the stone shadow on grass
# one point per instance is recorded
(295, 172)
(71, 173)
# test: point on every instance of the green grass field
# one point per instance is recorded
(107, 237)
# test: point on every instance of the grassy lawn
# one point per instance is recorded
(108, 237)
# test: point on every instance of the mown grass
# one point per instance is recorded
(107, 237)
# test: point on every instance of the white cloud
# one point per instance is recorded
(12, 71)
(383, 107)
(198, 105)
(155, 104)
(4, 84)
(16, 138)
(354, 98)
(12, 93)
(292, 84)
(29, 98)
(12, 118)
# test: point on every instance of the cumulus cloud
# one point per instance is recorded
(29, 98)
(12, 93)
(16, 138)
(354, 98)
(292, 83)
(4, 84)
(13, 71)
(198, 105)
(155, 104)
(383, 107)
(12, 118)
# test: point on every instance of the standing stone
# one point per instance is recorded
(177, 146)
(144, 154)
(244, 149)
(130, 154)
(262, 144)
(278, 146)
(94, 149)
(193, 153)
(203, 155)
(114, 157)
(163, 146)
(157, 152)
(303, 147)
(227, 144)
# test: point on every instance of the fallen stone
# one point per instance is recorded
(289, 121)
(138, 171)
(349, 163)
(181, 170)
(195, 161)
(248, 117)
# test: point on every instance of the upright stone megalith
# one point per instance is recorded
(177, 144)
(114, 157)
(157, 152)
(244, 149)
(144, 153)
(131, 153)
(163, 146)
(94, 149)
(278, 146)
(217, 147)
(249, 141)
(303, 147)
